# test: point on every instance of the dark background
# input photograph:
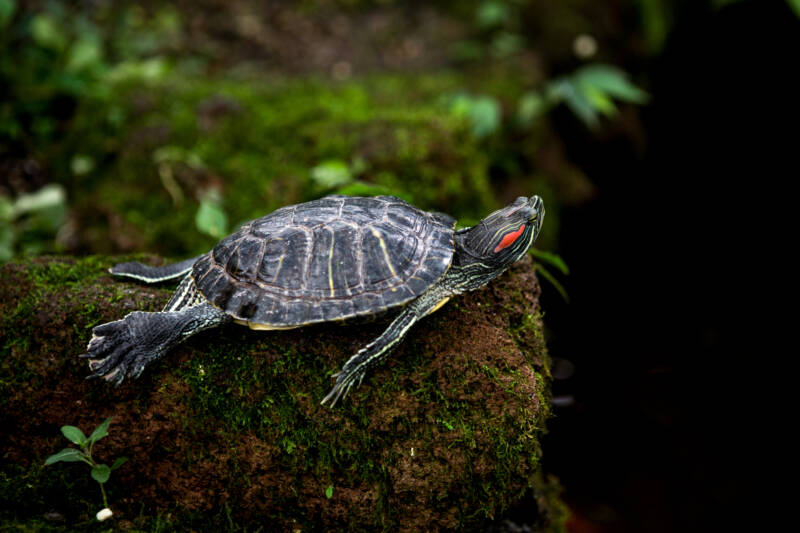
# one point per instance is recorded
(665, 281)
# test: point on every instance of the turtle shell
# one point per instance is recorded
(329, 259)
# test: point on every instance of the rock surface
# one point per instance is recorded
(227, 429)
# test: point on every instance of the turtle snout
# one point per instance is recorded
(537, 207)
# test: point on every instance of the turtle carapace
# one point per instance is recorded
(331, 259)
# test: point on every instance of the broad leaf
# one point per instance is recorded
(531, 106)
(48, 32)
(331, 174)
(101, 430)
(578, 103)
(67, 455)
(612, 81)
(101, 473)
(74, 435)
(119, 462)
(329, 492)
(484, 114)
(211, 219)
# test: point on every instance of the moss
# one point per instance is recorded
(227, 430)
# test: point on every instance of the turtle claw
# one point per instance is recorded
(344, 382)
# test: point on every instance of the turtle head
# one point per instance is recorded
(506, 235)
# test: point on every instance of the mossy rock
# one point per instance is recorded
(227, 430)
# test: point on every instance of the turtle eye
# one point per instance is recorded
(509, 239)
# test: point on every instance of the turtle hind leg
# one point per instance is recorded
(124, 347)
(151, 274)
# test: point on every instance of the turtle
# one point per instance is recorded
(338, 258)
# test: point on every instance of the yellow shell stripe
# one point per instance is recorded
(378, 236)
(330, 263)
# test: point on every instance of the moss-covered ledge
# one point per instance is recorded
(227, 429)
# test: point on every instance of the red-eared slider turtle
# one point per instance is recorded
(327, 260)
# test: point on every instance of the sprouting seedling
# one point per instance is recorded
(99, 472)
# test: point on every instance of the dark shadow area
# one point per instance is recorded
(663, 314)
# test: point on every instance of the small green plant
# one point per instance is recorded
(99, 472)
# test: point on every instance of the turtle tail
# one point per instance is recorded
(151, 274)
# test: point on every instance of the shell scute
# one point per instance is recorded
(329, 259)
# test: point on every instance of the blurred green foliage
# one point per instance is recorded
(53, 58)
(29, 222)
(589, 92)
(151, 153)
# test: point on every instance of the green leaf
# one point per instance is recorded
(7, 8)
(6, 242)
(484, 114)
(612, 81)
(551, 259)
(492, 13)
(331, 174)
(531, 106)
(81, 164)
(67, 455)
(48, 197)
(74, 435)
(101, 473)
(119, 462)
(576, 100)
(600, 100)
(329, 492)
(46, 32)
(101, 430)
(210, 218)
(84, 54)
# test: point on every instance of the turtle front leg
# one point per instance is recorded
(124, 347)
(371, 355)
(378, 350)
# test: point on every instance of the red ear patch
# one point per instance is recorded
(509, 239)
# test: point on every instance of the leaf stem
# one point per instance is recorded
(103, 491)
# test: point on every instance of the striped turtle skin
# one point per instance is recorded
(330, 259)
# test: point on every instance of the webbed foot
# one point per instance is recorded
(125, 347)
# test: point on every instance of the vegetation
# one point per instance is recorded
(100, 472)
